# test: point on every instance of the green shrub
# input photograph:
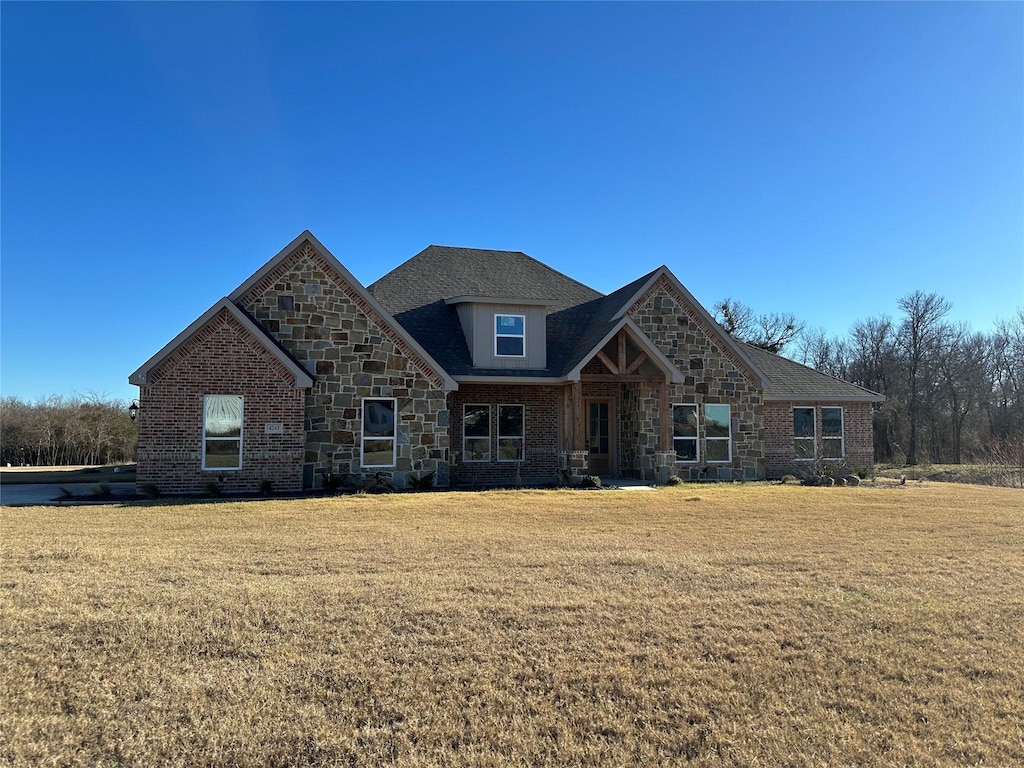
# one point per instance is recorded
(150, 489)
(266, 487)
(674, 480)
(213, 488)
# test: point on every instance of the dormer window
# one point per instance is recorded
(510, 335)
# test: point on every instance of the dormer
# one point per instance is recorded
(503, 332)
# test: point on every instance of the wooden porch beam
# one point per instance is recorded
(621, 377)
(578, 438)
(607, 362)
(636, 363)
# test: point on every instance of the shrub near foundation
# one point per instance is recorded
(756, 624)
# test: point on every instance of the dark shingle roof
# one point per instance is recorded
(415, 293)
(792, 381)
(574, 332)
(443, 272)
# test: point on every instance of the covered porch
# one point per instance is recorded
(616, 411)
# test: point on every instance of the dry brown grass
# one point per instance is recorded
(729, 625)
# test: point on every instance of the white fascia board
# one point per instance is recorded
(498, 300)
(141, 377)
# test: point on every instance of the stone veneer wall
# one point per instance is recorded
(540, 446)
(780, 455)
(221, 359)
(354, 354)
(711, 375)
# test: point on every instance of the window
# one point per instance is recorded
(510, 335)
(222, 432)
(510, 432)
(684, 431)
(832, 433)
(718, 429)
(379, 430)
(803, 433)
(476, 433)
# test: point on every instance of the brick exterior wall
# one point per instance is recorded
(780, 454)
(540, 447)
(711, 375)
(222, 359)
(354, 354)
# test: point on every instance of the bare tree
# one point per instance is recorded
(771, 331)
(919, 336)
(962, 363)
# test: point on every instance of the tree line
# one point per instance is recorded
(953, 395)
(58, 431)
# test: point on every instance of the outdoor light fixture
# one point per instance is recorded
(133, 410)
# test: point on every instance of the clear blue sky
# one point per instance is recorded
(822, 159)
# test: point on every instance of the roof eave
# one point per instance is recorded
(792, 398)
(302, 378)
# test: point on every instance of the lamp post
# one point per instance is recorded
(133, 410)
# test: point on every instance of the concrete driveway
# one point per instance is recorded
(36, 494)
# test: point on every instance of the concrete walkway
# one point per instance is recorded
(627, 483)
(44, 494)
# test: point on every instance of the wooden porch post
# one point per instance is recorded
(666, 419)
(578, 438)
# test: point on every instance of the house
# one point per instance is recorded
(483, 367)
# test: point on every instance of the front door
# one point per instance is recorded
(599, 437)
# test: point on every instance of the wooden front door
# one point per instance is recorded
(599, 436)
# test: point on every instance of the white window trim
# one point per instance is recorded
(695, 438)
(508, 335)
(464, 437)
(240, 438)
(521, 438)
(842, 433)
(813, 438)
(718, 439)
(362, 433)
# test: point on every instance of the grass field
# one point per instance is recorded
(731, 625)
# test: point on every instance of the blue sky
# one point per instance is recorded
(822, 159)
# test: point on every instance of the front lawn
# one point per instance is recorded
(726, 624)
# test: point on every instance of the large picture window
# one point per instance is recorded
(804, 434)
(832, 433)
(222, 432)
(379, 430)
(511, 429)
(510, 335)
(718, 433)
(476, 433)
(684, 431)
